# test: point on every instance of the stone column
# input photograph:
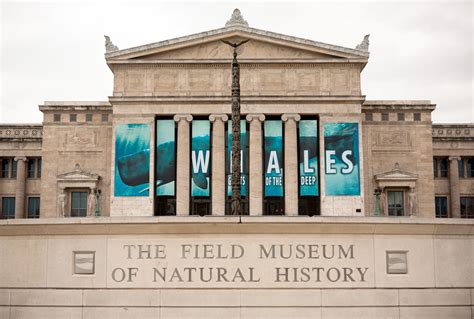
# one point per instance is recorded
(20, 187)
(255, 164)
(182, 164)
(291, 164)
(218, 163)
(454, 201)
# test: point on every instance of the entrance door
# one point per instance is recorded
(395, 203)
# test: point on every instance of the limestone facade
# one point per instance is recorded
(282, 77)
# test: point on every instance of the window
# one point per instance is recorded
(401, 116)
(38, 171)
(72, 117)
(88, 117)
(460, 168)
(57, 117)
(467, 207)
(31, 168)
(441, 207)
(384, 116)
(435, 167)
(8, 207)
(78, 204)
(443, 167)
(470, 167)
(5, 172)
(33, 207)
(395, 203)
(368, 116)
(105, 117)
(416, 117)
(14, 165)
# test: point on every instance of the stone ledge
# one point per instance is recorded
(236, 225)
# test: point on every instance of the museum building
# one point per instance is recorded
(374, 192)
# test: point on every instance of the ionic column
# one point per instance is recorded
(218, 163)
(454, 202)
(182, 164)
(20, 187)
(255, 164)
(291, 164)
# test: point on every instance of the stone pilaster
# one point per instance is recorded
(218, 163)
(255, 164)
(20, 187)
(454, 201)
(182, 164)
(291, 164)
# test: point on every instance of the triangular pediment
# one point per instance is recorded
(78, 174)
(263, 45)
(396, 175)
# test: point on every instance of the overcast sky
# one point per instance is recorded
(54, 50)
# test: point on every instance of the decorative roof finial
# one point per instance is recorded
(236, 19)
(109, 46)
(364, 45)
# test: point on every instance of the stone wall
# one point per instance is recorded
(37, 270)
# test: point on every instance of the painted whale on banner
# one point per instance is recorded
(165, 159)
(134, 169)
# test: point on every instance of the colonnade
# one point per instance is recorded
(255, 164)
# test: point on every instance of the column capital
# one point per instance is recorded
(250, 117)
(20, 158)
(290, 116)
(454, 158)
(180, 117)
(218, 117)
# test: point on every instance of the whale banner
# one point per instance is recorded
(165, 159)
(132, 160)
(243, 158)
(341, 154)
(200, 158)
(308, 157)
(273, 169)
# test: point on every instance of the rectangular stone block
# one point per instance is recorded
(121, 312)
(420, 272)
(455, 254)
(360, 313)
(281, 312)
(281, 298)
(435, 297)
(122, 297)
(4, 312)
(4, 297)
(61, 261)
(359, 297)
(46, 297)
(46, 312)
(24, 261)
(200, 298)
(435, 312)
(208, 313)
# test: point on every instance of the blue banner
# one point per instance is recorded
(273, 169)
(341, 148)
(200, 158)
(243, 158)
(308, 162)
(165, 161)
(132, 160)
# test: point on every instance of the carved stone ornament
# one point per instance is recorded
(236, 19)
(364, 45)
(109, 46)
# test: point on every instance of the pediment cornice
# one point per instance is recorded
(396, 174)
(78, 174)
(237, 31)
